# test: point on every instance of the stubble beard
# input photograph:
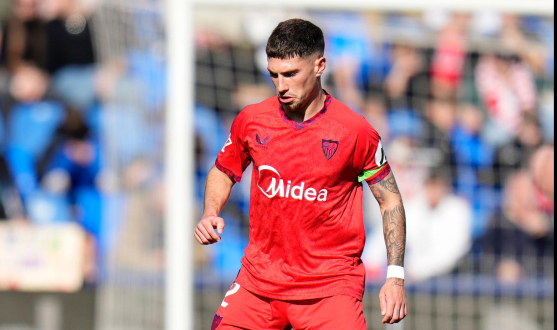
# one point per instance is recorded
(292, 107)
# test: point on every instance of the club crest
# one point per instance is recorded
(216, 322)
(329, 148)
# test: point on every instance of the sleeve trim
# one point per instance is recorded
(228, 172)
(379, 175)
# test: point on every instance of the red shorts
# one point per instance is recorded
(242, 309)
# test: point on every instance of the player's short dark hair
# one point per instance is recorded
(295, 37)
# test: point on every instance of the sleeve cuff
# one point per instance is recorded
(228, 172)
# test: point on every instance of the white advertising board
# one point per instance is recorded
(41, 258)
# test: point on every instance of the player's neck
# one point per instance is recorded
(314, 106)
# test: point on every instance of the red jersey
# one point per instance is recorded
(306, 220)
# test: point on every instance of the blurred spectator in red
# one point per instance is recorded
(517, 153)
(447, 68)
(439, 229)
(527, 226)
(507, 88)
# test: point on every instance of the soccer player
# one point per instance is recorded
(311, 154)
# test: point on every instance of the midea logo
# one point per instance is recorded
(278, 187)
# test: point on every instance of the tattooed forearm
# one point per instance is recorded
(394, 218)
(394, 229)
(389, 183)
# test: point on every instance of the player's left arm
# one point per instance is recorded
(394, 305)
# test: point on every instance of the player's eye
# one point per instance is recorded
(273, 75)
(290, 74)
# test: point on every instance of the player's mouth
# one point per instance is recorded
(286, 99)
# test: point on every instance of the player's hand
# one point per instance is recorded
(394, 306)
(209, 229)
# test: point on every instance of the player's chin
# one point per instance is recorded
(291, 106)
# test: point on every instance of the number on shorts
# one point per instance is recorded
(235, 288)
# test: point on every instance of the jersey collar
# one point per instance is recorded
(317, 116)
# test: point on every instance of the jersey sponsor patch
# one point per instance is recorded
(273, 185)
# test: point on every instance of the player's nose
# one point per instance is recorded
(281, 85)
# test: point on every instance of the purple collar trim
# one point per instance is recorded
(299, 126)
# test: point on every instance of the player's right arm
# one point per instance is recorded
(217, 192)
(231, 163)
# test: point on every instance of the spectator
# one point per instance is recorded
(407, 84)
(439, 230)
(527, 226)
(441, 120)
(507, 88)
(25, 53)
(517, 153)
(447, 69)
(68, 34)
(542, 168)
(473, 159)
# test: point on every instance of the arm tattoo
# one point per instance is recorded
(389, 183)
(394, 229)
(394, 218)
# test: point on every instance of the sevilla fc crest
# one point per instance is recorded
(329, 148)
(216, 322)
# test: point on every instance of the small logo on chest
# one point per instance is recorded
(262, 143)
(329, 148)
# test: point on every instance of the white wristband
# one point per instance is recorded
(395, 272)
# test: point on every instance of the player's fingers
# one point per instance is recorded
(209, 232)
(219, 224)
(402, 314)
(197, 237)
(383, 302)
(389, 314)
(405, 309)
(201, 237)
(396, 314)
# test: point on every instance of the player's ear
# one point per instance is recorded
(320, 66)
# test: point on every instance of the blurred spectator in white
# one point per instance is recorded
(447, 68)
(439, 230)
(439, 233)
(517, 153)
(508, 91)
(524, 223)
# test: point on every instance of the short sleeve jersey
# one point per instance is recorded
(306, 220)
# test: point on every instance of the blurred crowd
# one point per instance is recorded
(464, 104)
(81, 129)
